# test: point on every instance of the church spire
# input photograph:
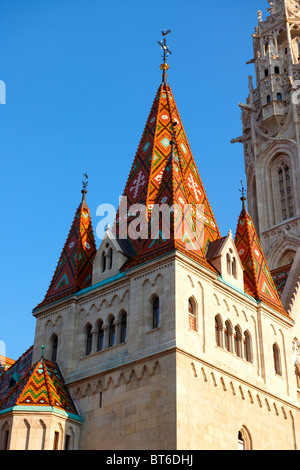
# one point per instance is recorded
(74, 269)
(164, 175)
(258, 281)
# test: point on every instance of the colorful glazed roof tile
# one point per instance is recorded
(257, 277)
(17, 370)
(74, 269)
(41, 386)
(280, 276)
(164, 173)
(5, 363)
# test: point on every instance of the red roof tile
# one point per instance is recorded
(74, 269)
(257, 278)
(166, 174)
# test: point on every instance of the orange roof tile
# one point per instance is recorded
(164, 173)
(257, 277)
(42, 386)
(74, 269)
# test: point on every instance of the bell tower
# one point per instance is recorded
(271, 132)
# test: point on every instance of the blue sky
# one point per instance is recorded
(81, 76)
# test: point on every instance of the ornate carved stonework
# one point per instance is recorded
(271, 125)
(293, 7)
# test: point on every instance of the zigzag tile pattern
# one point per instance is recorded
(42, 385)
(161, 176)
(257, 277)
(74, 269)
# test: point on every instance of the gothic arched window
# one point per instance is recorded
(103, 262)
(279, 96)
(247, 347)
(155, 313)
(110, 258)
(192, 315)
(100, 341)
(228, 262)
(234, 272)
(276, 357)
(123, 327)
(218, 331)
(231, 264)
(228, 335)
(286, 193)
(54, 348)
(112, 332)
(241, 443)
(277, 70)
(238, 341)
(244, 439)
(89, 340)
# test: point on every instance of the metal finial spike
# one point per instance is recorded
(84, 186)
(243, 192)
(85, 182)
(42, 354)
(166, 52)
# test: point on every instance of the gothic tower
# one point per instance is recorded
(271, 132)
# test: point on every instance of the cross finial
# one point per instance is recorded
(166, 52)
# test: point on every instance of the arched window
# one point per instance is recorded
(286, 193)
(218, 331)
(279, 96)
(192, 315)
(103, 262)
(54, 348)
(123, 328)
(234, 271)
(155, 313)
(247, 347)
(238, 342)
(244, 439)
(67, 442)
(276, 357)
(277, 70)
(89, 340)
(228, 262)
(100, 341)
(268, 99)
(110, 258)
(241, 443)
(5, 437)
(112, 333)
(228, 335)
(231, 264)
(266, 72)
(56, 440)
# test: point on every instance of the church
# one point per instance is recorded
(170, 335)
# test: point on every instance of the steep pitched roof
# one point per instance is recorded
(74, 269)
(18, 369)
(257, 277)
(41, 386)
(164, 172)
